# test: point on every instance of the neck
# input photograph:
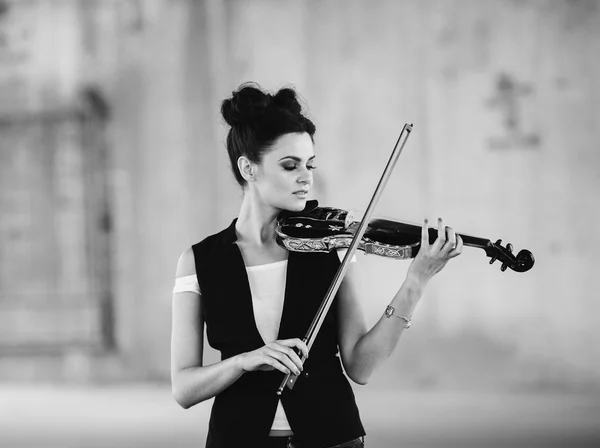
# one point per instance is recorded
(256, 221)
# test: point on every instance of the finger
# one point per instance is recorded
(284, 359)
(451, 242)
(458, 249)
(425, 233)
(274, 363)
(441, 237)
(295, 342)
(266, 368)
(291, 354)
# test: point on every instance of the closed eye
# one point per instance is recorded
(292, 168)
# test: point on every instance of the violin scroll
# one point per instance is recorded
(523, 261)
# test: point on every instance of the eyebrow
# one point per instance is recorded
(297, 159)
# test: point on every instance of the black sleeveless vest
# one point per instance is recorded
(321, 408)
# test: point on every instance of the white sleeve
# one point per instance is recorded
(189, 283)
(342, 253)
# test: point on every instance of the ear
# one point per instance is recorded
(247, 168)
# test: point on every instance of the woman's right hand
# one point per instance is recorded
(275, 355)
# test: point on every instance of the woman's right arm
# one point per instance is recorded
(193, 383)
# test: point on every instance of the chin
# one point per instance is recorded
(294, 206)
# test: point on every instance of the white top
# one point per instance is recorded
(267, 286)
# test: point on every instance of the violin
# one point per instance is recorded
(323, 229)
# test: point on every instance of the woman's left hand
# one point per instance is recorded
(432, 258)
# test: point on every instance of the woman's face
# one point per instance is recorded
(284, 177)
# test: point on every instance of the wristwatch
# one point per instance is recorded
(389, 312)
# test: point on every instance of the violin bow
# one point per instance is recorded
(290, 379)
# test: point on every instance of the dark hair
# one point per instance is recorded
(258, 119)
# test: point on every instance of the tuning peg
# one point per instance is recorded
(493, 259)
(498, 243)
(503, 267)
(509, 247)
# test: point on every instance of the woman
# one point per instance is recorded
(257, 300)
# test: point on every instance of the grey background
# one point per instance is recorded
(112, 162)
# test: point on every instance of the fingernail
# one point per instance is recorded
(426, 220)
(440, 219)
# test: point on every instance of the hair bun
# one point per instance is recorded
(246, 105)
(286, 99)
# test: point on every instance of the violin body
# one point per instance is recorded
(326, 228)
(323, 229)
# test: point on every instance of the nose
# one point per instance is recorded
(305, 177)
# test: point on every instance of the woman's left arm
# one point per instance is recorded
(361, 350)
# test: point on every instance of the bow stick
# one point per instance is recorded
(290, 379)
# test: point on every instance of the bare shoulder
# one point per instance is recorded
(187, 332)
(186, 265)
(188, 320)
